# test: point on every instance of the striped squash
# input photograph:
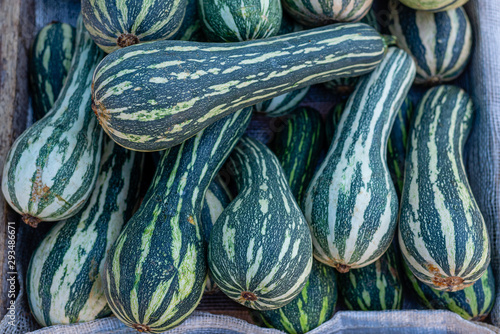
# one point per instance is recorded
(216, 199)
(283, 104)
(50, 59)
(351, 204)
(472, 303)
(434, 5)
(52, 167)
(312, 307)
(191, 27)
(298, 148)
(442, 234)
(332, 121)
(376, 287)
(64, 275)
(398, 143)
(238, 21)
(345, 86)
(286, 103)
(155, 272)
(154, 96)
(260, 248)
(118, 24)
(440, 43)
(321, 12)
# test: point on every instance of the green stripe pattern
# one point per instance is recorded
(332, 121)
(216, 199)
(434, 5)
(442, 234)
(283, 104)
(321, 12)
(49, 64)
(117, 24)
(154, 96)
(398, 143)
(64, 275)
(238, 21)
(191, 27)
(155, 272)
(286, 103)
(345, 86)
(376, 287)
(260, 248)
(472, 303)
(440, 43)
(298, 148)
(312, 307)
(51, 169)
(351, 204)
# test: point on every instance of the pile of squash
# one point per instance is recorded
(348, 204)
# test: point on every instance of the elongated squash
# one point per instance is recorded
(376, 287)
(64, 275)
(313, 306)
(351, 204)
(260, 248)
(154, 96)
(155, 272)
(434, 5)
(238, 21)
(321, 12)
(118, 24)
(472, 303)
(51, 169)
(216, 199)
(50, 61)
(345, 86)
(298, 148)
(398, 143)
(286, 103)
(440, 43)
(442, 234)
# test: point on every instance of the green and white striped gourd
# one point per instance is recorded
(351, 204)
(155, 273)
(50, 59)
(298, 148)
(376, 287)
(332, 121)
(440, 43)
(345, 86)
(51, 169)
(238, 21)
(434, 5)
(398, 143)
(118, 24)
(472, 303)
(260, 248)
(442, 234)
(312, 307)
(286, 103)
(191, 27)
(216, 199)
(322, 12)
(64, 276)
(154, 96)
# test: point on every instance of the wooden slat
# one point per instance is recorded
(16, 27)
